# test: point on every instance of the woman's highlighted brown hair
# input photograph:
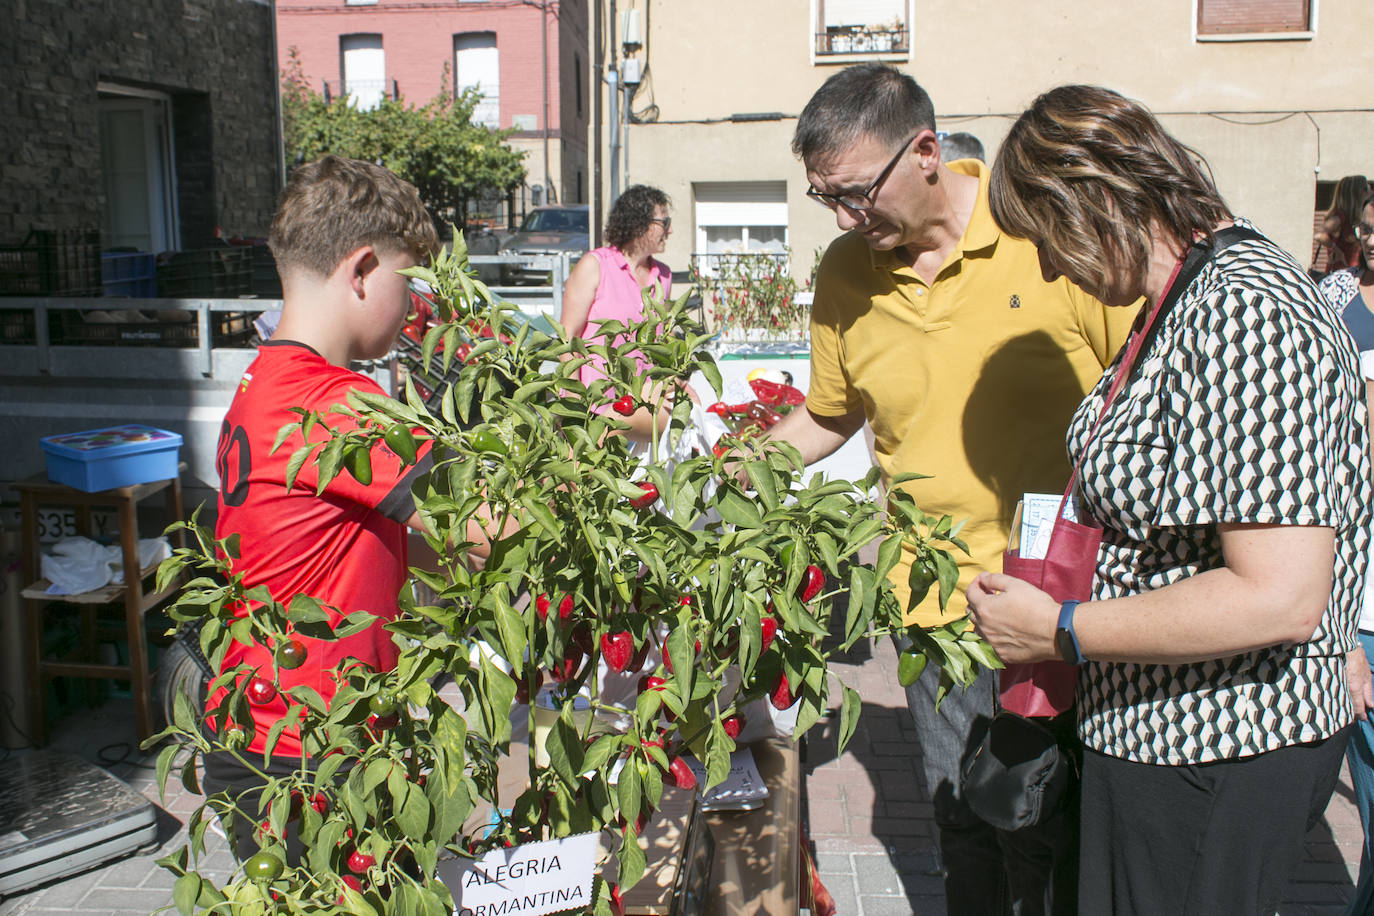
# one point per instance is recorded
(1084, 173)
(334, 206)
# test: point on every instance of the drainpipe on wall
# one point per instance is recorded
(276, 107)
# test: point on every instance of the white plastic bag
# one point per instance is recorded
(79, 565)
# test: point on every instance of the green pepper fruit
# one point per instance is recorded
(263, 867)
(484, 440)
(921, 578)
(383, 704)
(401, 441)
(358, 459)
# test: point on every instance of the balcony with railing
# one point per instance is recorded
(862, 39)
(363, 93)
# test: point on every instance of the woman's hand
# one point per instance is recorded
(1016, 618)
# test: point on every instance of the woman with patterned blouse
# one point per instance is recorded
(1230, 475)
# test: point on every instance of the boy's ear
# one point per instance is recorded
(357, 266)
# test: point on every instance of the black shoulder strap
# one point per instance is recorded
(1202, 251)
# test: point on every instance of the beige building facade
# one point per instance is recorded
(1273, 93)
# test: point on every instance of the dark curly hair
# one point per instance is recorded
(633, 214)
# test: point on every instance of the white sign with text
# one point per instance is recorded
(527, 880)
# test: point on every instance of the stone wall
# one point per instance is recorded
(214, 58)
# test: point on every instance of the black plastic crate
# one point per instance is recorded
(227, 329)
(16, 327)
(212, 273)
(52, 263)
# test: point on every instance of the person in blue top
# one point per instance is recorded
(1351, 292)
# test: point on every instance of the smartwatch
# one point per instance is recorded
(1064, 638)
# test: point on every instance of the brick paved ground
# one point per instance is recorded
(868, 815)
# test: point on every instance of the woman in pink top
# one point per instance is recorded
(606, 284)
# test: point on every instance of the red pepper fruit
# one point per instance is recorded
(359, 862)
(565, 607)
(582, 637)
(768, 628)
(684, 601)
(541, 607)
(617, 649)
(522, 687)
(641, 654)
(781, 697)
(812, 581)
(320, 803)
(260, 691)
(566, 667)
(683, 777)
(623, 405)
(617, 905)
(651, 682)
(719, 409)
(732, 726)
(650, 494)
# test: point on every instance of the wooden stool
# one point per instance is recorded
(38, 491)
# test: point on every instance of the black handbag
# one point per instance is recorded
(1018, 775)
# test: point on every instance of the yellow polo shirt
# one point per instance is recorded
(971, 379)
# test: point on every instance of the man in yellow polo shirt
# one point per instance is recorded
(941, 332)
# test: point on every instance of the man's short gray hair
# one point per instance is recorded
(867, 100)
(961, 145)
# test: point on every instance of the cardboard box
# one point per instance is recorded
(116, 456)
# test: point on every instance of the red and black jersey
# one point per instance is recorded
(345, 547)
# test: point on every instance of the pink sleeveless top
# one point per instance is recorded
(618, 299)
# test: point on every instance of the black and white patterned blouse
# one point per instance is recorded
(1246, 407)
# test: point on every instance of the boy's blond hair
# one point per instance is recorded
(333, 206)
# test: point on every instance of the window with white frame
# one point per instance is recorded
(739, 218)
(477, 65)
(364, 70)
(868, 27)
(1222, 20)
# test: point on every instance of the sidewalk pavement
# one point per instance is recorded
(867, 812)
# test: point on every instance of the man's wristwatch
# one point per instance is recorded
(1064, 638)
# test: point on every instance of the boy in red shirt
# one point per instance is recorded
(342, 230)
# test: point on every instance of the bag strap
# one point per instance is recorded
(1185, 271)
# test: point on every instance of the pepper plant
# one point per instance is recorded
(712, 594)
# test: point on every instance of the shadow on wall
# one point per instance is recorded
(1020, 407)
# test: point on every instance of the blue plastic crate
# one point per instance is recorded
(141, 288)
(116, 456)
(115, 266)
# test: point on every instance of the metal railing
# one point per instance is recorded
(708, 264)
(336, 90)
(859, 39)
(221, 324)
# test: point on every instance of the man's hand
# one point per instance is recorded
(1359, 682)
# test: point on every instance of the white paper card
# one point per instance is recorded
(1037, 522)
(531, 879)
(742, 789)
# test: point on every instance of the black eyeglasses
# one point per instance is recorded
(667, 222)
(858, 202)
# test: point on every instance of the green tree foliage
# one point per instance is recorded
(434, 146)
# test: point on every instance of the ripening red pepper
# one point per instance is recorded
(683, 777)
(650, 495)
(617, 649)
(812, 582)
(781, 695)
(624, 405)
(768, 628)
